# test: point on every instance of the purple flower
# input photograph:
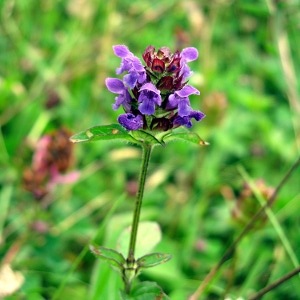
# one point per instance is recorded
(149, 97)
(130, 121)
(186, 120)
(131, 64)
(181, 101)
(187, 55)
(116, 86)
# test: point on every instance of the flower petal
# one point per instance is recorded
(197, 115)
(137, 65)
(130, 121)
(147, 106)
(186, 91)
(131, 79)
(150, 87)
(122, 51)
(114, 85)
(189, 54)
(172, 102)
(184, 107)
(182, 121)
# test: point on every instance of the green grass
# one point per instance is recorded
(247, 72)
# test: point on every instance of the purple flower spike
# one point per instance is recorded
(116, 86)
(157, 91)
(149, 97)
(130, 121)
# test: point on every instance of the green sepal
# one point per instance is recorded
(191, 137)
(145, 290)
(145, 137)
(103, 132)
(152, 260)
(113, 257)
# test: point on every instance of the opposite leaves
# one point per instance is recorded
(140, 137)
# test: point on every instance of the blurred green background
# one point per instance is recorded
(54, 58)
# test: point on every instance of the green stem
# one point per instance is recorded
(138, 204)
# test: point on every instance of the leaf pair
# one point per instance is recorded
(117, 260)
(117, 132)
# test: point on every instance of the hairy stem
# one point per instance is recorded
(138, 204)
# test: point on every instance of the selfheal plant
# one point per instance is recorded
(156, 109)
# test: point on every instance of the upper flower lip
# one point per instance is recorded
(189, 54)
(122, 51)
(187, 91)
(114, 85)
(150, 87)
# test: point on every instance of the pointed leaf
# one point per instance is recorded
(114, 258)
(147, 290)
(185, 136)
(103, 132)
(144, 136)
(153, 259)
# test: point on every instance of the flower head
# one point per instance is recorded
(154, 96)
(52, 158)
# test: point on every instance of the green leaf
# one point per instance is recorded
(153, 259)
(146, 290)
(114, 258)
(144, 136)
(104, 132)
(185, 136)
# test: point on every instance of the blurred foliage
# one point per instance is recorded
(54, 58)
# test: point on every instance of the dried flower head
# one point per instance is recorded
(154, 96)
(52, 158)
